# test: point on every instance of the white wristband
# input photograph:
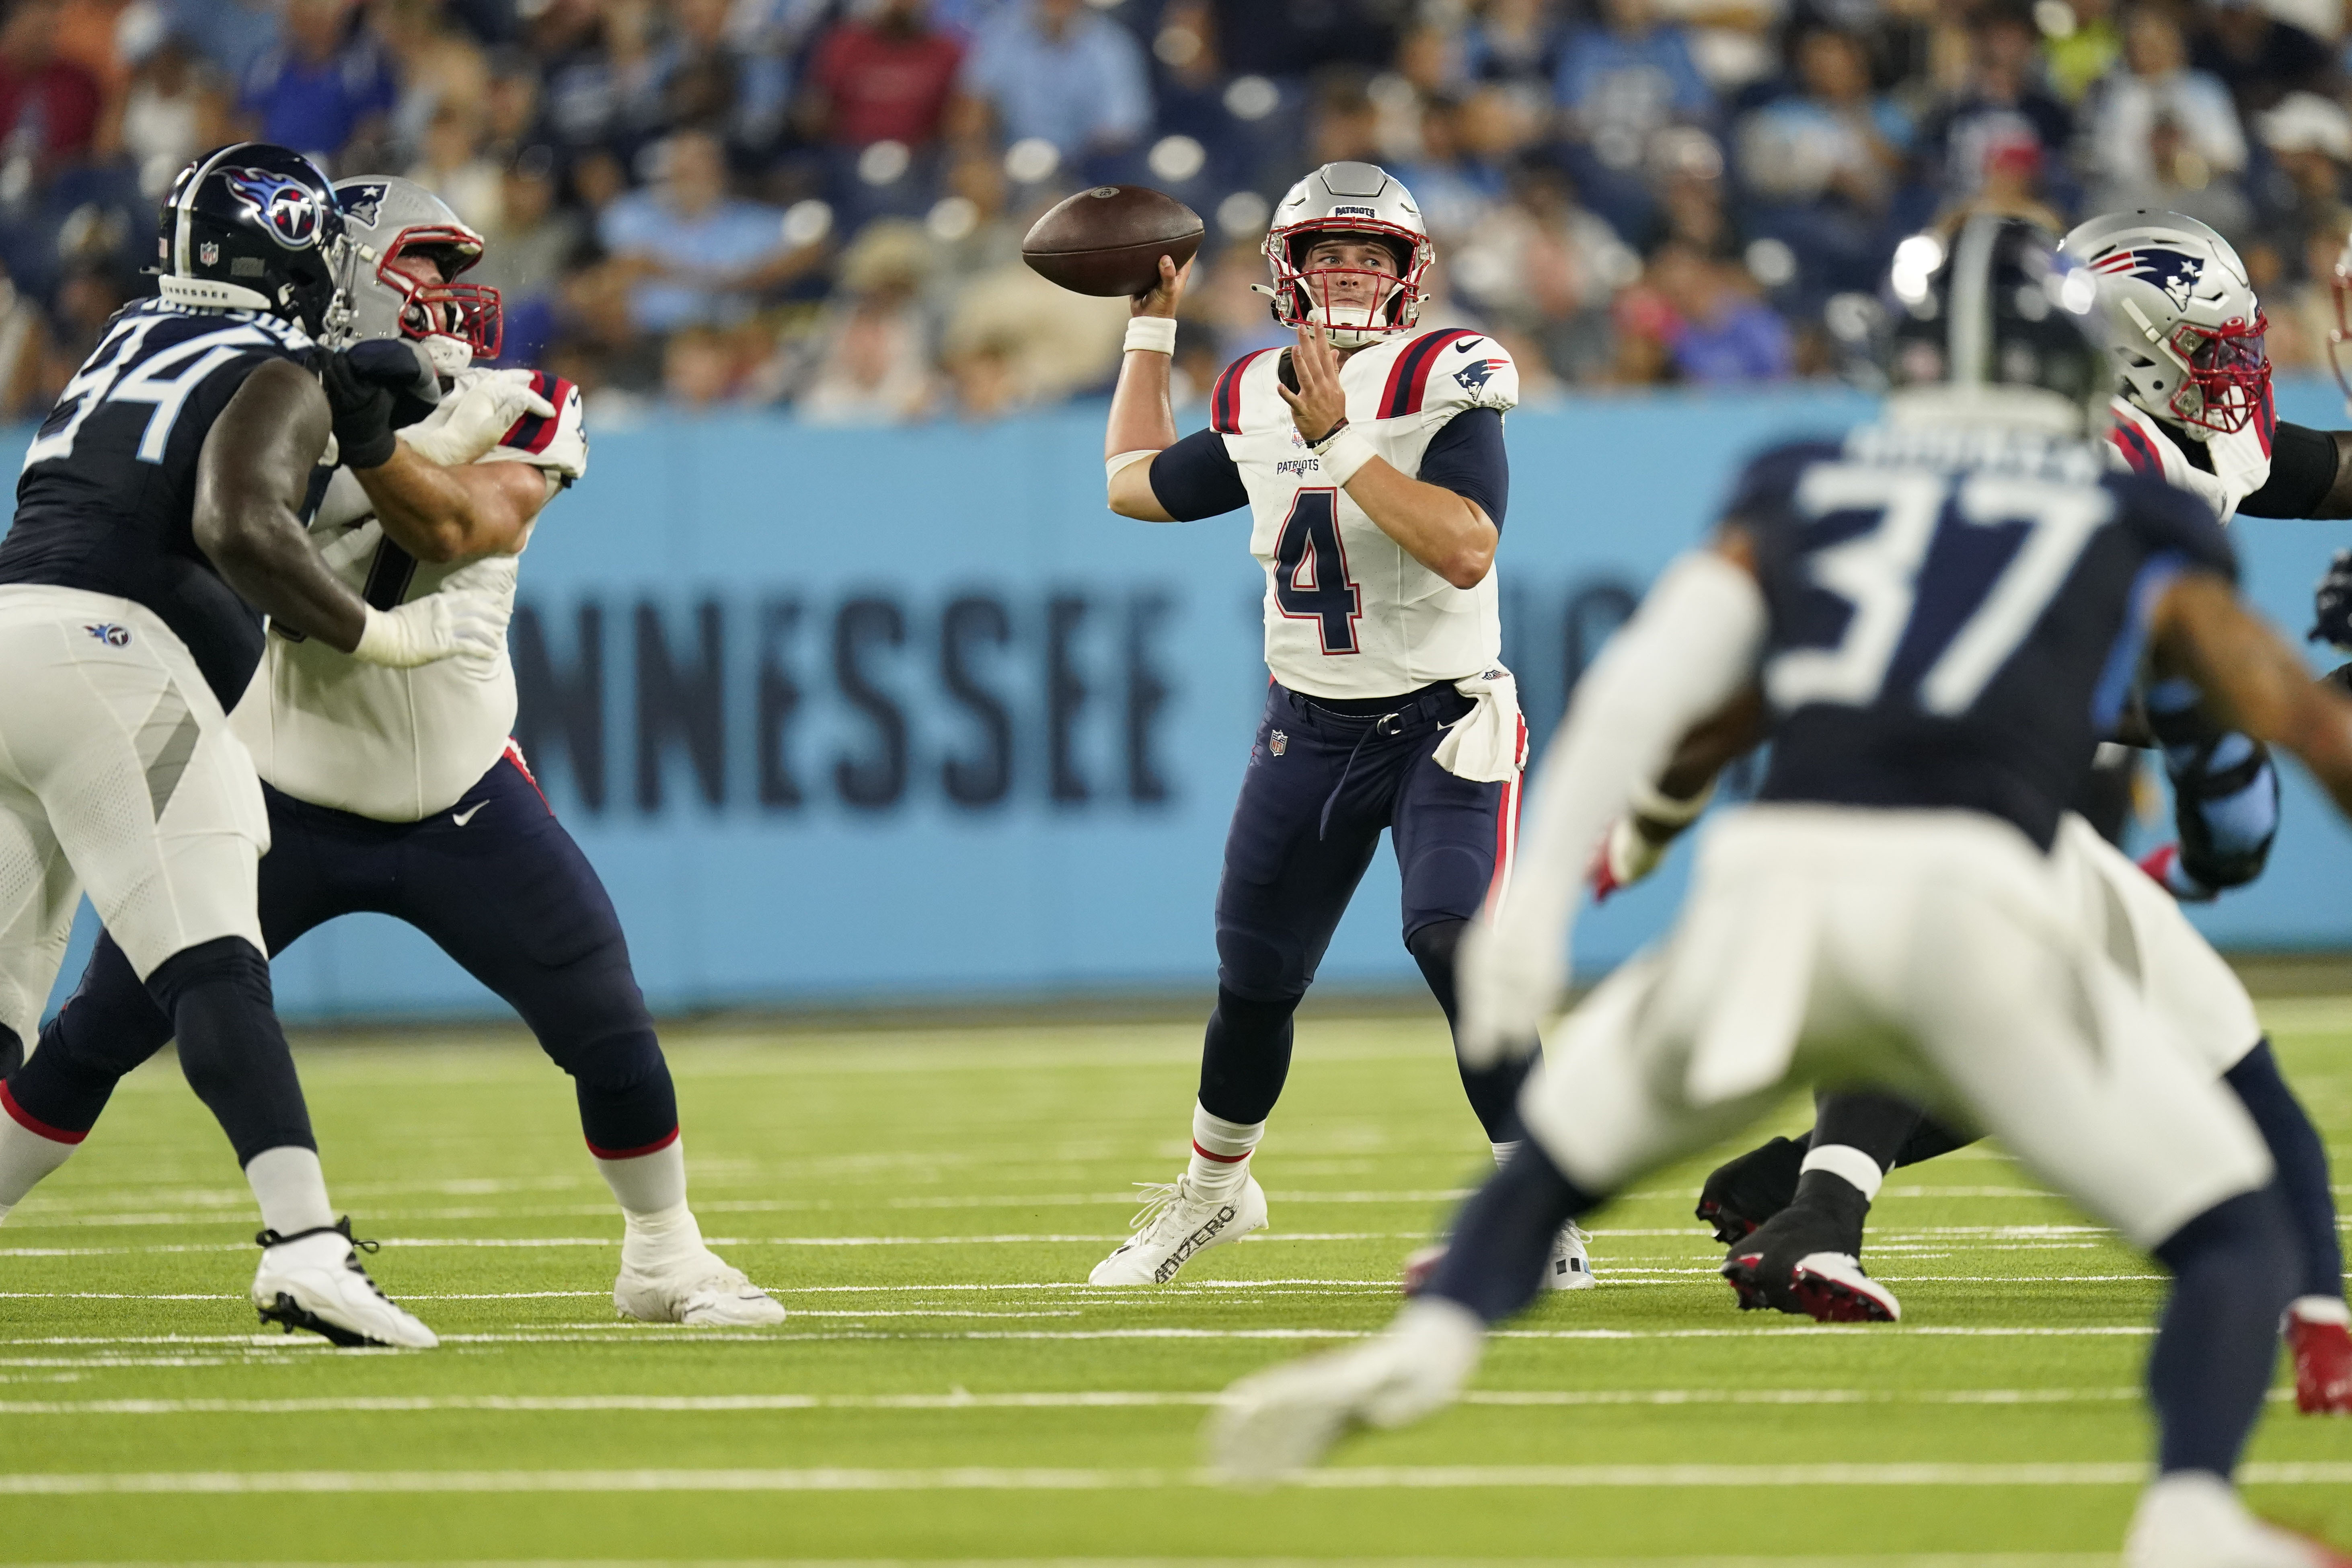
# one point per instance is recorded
(380, 639)
(1654, 805)
(1112, 466)
(1152, 334)
(1348, 452)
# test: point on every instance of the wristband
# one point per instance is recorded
(380, 639)
(1652, 804)
(1343, 452)
(1114, 465)
(1151, 334)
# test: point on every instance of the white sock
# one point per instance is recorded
(290, 1188)
(1850, 1165)
(648, 1184)
(26, 1156)
(1221, 1151)
(653, 1240)
(1503, 1153)
(2320, 1310)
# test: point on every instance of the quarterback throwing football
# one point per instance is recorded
(1370, 459)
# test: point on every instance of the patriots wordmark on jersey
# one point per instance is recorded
(107, 498)
(399, 745)
(1955, 616)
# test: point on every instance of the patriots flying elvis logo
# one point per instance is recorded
(1473, 376)
(360, 203)
(2177, 274)
(285, 208)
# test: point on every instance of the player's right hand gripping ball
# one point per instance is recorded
(2332, 604)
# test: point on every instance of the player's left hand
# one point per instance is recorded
(1318, 405)
(477, 418)
(1508, 981)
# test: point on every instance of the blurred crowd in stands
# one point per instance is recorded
(820, 203)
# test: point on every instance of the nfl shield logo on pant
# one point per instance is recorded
(1277, 742)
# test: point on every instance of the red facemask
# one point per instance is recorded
(470, 312)
(2229, 372)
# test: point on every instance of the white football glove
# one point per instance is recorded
(450, 624)
(473, 419)
(1508, 981)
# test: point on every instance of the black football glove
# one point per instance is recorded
(2331, 607)
(397, 364)
(362, 409)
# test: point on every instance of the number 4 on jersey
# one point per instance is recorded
(1310, 571)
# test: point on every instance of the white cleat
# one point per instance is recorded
(1288, 1417)
(1569, 1266)
(1176, 1224)
(312, 1280)
(2194, 1520)
(700, 1291)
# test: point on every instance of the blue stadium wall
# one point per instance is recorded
(848, 715)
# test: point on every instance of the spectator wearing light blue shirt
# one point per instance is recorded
(1619, 85)
(693, 254)
(1055, 71)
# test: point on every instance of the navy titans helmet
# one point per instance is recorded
(251, 227)
(2003, 324)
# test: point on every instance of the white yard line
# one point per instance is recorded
(2130, 1473)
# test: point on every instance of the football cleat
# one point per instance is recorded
(312, 1280)
(1740, 1194)
(2194, 1520)
(1288, 1417)
(700, 1291)
(1807, 1262)
(1177, 1222)
(1569, 1267)
(2322, 1347)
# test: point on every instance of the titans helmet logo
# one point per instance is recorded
(2176, 274)
(286, 209)
(360, 203)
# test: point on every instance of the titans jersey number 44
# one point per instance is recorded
(106, 499)
(398, 744)
(1957, 615)
(1349, 612)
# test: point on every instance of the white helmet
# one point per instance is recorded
(1347, 199)
(385, 217)
(2182, 320)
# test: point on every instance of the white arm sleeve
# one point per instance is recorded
(1689, 650)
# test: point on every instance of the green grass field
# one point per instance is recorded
(928, 1205)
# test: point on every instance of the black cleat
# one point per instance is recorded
(1741, 1194)
(1805, 1261)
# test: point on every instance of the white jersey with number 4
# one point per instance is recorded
(1349, 613)
(398, 744)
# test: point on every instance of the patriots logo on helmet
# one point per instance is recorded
(2177, 274)
(286, 209)
(361, 203)
(1475, 375)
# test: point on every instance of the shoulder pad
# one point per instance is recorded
(1448, 371)
(559, 445)
(1225, 398)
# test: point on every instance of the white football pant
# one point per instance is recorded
(118, 775)
(1934, 954)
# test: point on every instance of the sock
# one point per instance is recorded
(1503, 1152)
(1876, 1124)
(292, 1189)
(1502, 1242)
(1221, 1151)
(232, 1050)
(30, 1150)
(2233, 1270)
(1245, 1056)
(1852, 1166)
(2302, 1160)
(651, 1240)
(652, 1182)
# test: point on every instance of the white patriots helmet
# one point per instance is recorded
(1361, 199)
(2181, 318)
(386, 217)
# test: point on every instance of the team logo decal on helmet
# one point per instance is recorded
(286, 209)
(2169, 270)
(360, 203)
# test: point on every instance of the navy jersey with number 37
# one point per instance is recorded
(107, 501)
(1957, 615)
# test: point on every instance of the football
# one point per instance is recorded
(1109, 240)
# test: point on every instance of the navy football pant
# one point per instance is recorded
(495, 881)
(1320, 789)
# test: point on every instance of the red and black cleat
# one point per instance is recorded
(1741, 1194)
(2323, 1365)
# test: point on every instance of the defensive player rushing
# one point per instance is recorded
(399, 791)
(1942, 612)
(1371, 457)
(155, 525)
(2184, 331)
